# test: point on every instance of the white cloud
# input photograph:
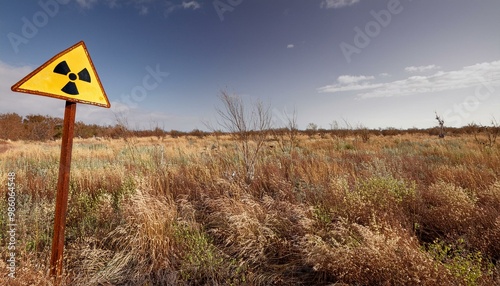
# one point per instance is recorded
(191, 4)
(113, 3)
(350, 79)
(479, 74)
(334, 4)
(422, 68)
(350, 83)
(171, 7)
(86, 3)
(143, 10)
(24, 104)
(143, 6)
(290, 46)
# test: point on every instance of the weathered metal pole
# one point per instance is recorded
(56, 259)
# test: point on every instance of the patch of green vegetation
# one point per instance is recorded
(377, 189)
(202, 263)
(462, 263)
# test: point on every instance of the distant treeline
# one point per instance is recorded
(43, 127)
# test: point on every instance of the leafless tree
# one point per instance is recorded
(441, 126)
(287, 134)
(312, 129)
(486, 135)
(249, 127)
(363, 132)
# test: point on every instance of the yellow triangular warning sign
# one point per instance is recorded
(70, 75)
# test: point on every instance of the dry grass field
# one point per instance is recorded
(394, 210)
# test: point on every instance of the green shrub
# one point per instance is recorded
(465, 265)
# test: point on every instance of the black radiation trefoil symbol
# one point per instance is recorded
(70, 87)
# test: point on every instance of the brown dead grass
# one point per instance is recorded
(178, 211)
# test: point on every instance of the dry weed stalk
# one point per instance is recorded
(249, 128)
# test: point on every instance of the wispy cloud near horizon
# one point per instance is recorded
(86, 3)
(191, 5)
(171, 7)
(469, 76)
(143, 6)
(23, 104)
(335, 4)
(413, 69)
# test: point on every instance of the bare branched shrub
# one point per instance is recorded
(441, 126)
(249, 127)
(486, 136)
(363, 132)
(287, 135)
(312, 129)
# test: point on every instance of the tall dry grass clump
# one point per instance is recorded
(354, 254)
(159, 242)
(138, 251)
(444, 209)
(486, 233)
(264, 236)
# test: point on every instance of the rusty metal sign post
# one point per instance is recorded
(56, 257)
(70, 75)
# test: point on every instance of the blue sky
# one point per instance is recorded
(376, 63)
